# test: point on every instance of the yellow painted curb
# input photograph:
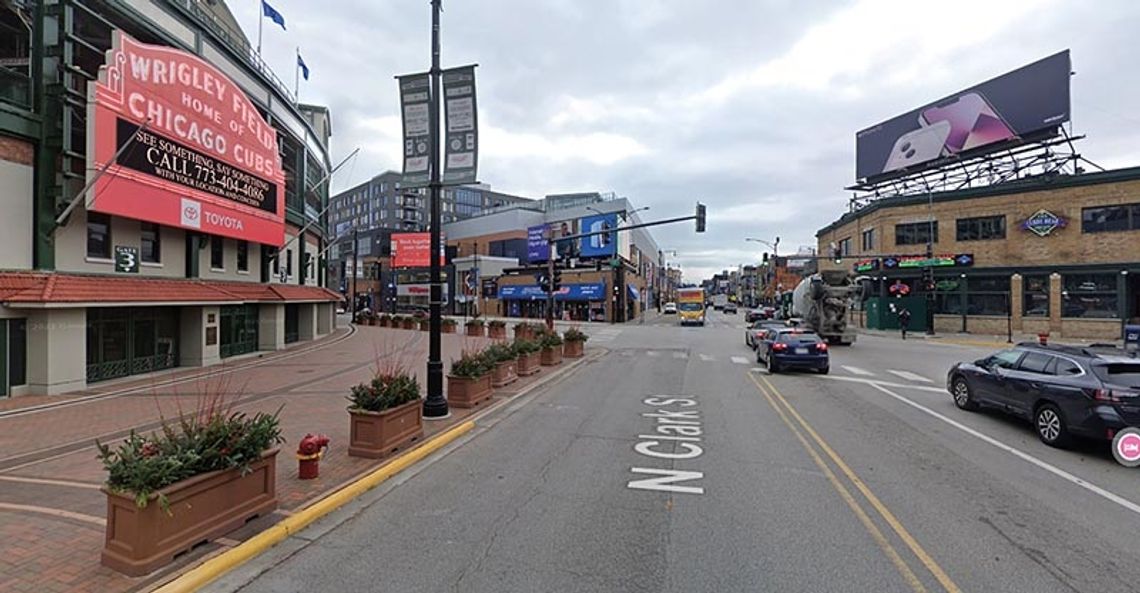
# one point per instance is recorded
(215, 567)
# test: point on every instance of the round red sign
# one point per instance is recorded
(1126, 447)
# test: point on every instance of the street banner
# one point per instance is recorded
(461, 140)
(206, 161)
(415, 107)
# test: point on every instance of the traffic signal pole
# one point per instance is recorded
(552, 251)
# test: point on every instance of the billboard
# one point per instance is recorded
(1030, 102)
(536, 247)
(599, 245)
(412, 250)
(207, 161)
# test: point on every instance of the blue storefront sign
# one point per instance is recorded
(599, 245)
(569, 292)
(537, 249)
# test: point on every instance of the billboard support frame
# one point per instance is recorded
(1056, 155)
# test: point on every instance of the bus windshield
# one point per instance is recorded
(689, 306)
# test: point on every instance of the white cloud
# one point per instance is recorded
(538, 149)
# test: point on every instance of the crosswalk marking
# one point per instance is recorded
(707, 358)
(680, 355)
(858, 371)
(739, 360)
(909, 376)
(652, 353)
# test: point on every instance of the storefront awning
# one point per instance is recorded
(569, 292)
(60, 290)
(633, 294)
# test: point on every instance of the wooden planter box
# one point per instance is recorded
(474, 330)
(384, 322)
(204, 507)
(465, 392)
(528, 364)
(524, 333)
(409, 324)
(573, 349)
(448, 328)
(497, 332)
(505, 373)
(425, 325)
(551, 356)
(377, 434)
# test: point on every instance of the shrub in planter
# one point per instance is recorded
(523, 331)
(505, 361)
(469, 380)
(408, 322)
(385, 320)
(551, 349)
(425, 324)
(575, 343)
(497, 330)
(384, 413)
(527, 353)
(475, 327)
(449, 325)
(198, 478)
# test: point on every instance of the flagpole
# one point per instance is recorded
(260, 20)
(297, 77)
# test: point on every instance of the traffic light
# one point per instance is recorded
(765, 260)
(543, 282)
(928, 279)
(700, 217)
(557, 284)
(605, 238)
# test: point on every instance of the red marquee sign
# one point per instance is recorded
(207, 161)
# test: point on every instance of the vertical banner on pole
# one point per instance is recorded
(461, 145)
(415, 104)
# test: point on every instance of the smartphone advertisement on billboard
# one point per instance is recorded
(206, 161)
(599, 245)
(1028, 103)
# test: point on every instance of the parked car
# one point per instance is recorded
(788, 348)
(670, 309)
(758, 328)
(730, 308)
(1065, 391)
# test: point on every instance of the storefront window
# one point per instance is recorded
(98, 235)
(150, 240)
(1089, 295)
(987, 295)
(1035, 296)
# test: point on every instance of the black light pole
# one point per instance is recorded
(355, 262)
(435, 405)
(928, 271)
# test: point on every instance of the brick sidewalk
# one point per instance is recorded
(52, 512)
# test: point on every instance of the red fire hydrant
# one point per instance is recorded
(309, 452)
(1043, 338)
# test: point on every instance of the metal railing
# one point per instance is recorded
(236, 41)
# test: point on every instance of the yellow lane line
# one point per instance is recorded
(904, 570)
(936, 570)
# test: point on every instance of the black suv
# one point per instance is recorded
(1064, 391)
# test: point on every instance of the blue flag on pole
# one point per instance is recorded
(269, 12)
(304, 68)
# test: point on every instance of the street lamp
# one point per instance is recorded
(775, 245)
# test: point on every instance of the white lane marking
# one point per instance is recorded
(909, 376)
(1124, 502)
(680, 355)
(885, 383)
(858, 371)
(739, 360)
(707, 358)
(652, 353)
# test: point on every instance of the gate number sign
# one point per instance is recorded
(127, 259)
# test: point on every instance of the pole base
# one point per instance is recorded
(436, 410)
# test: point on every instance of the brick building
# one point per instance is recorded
(1064, 250)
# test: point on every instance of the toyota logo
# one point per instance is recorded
(190, 213)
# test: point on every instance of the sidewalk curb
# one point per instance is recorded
(210, 570)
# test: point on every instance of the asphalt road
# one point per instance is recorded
(675, 464)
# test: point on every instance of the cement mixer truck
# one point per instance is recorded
(822, 301)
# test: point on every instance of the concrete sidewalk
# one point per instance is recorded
(981, 340)
(52, 513)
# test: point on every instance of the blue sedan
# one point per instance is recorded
(793, 349)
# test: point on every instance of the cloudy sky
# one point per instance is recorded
(750, 106)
